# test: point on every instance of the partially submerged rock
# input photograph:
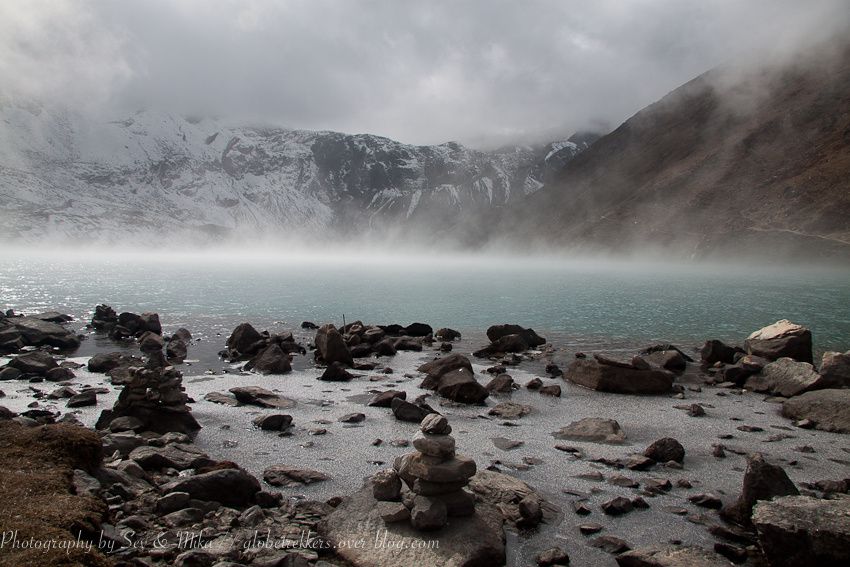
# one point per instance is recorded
(828, 410)
(608, 375)
(801, 531)
(781, 339)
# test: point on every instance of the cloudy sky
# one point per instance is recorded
(481, 72)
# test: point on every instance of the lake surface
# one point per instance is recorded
(579, 302)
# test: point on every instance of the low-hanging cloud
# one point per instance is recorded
(481, 72)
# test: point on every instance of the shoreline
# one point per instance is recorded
(346, 453)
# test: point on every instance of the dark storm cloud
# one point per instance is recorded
(482, 72)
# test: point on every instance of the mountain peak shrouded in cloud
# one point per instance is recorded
(484, 73)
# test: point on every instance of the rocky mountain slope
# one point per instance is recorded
(151, 176)
(751, 159)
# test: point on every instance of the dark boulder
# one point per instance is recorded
(176, 349)
(714, 351)
(441, 366)
(503, 345)
(271, 360)
(606, 375)
(244, 340)
(781, 339)
(330, 346)
(35, 332)
(835, 369)
(532, 339)
(230, 487)
(786, 377)
(762, 481)
(461, 386)
(35, 362)
(150, 342)
(406, 411)
(666, 449)
(418, 330)
(447, 334)
(336, 372)
(385, 399)
(104, 318)
(828, 410)
(273, 422)
(501, 384)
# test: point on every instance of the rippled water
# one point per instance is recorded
(583, 302)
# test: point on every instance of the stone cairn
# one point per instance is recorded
(154, 400)
(435, 475)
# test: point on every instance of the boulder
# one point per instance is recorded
(829, 410)
(801, 531)
(606, 375)
(244, 340)
(407, 411)
(386, 486)
(501, 384)
(336, 372)
(503, 345)
(105, 362)
(781, 339)
(35, 362)
(59, 374)
(671, 360)
(786, 377)
(270, 360)
(104, 317)
(176, 349)
(714, 351)
(592, 429)
(32, 331)
(230, 487)
(666, 449)
(151, 342)
(553, 390)
(532, 339)
(83, 399)
(835, 369)
(385, 399)
(505, 493)
(441, 366)
(175, 455)
(762, 481)
(330, 346)
(668, 555)
(428, 513)
(461, 386)
(418, 330)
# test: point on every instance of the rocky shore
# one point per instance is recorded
(513, 452)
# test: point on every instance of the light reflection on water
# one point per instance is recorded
(579, 301)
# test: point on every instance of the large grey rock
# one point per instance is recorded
(606, 375)
(330, 346)
(781, 339)
(231, 487)
(35, 362)
(532, 339)
(828, 409)
(506, 493)
(244, 341)
(461, 386)
(667, 555)
(786, 377)
(473, 541)
(592, 429)
(801, 531)
(437, 368)
(835, 368)
(270, 360)
(762, 481)
(35, 332)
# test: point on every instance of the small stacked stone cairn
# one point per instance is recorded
(435, 475)
(154, 400)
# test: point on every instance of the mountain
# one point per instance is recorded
(151, 176)
(751, 158)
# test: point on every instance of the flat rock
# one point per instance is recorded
(781, 339)
(801, 531)
(282, 475)
(786, 377)
(604, 375)
(828, 410)
(257, 396)
(476, 540)
(592, 429)
(510, 410)
(230, 487)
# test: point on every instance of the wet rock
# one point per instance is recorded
(330, 347)
(530, 512)
(801, 531)
(786, 377)
(510, 410)
(254, 395)
(172, 502)
(336, 372)
(282, 475)
(244, 341)
(762, 481)
(31, 331)
(671, 556)
(715, 351)
(593, 429)
(309, 325)
(273, 422)
(666, 449)
(447, 334)
(458, 385)
(607, 375)
(59, 375)
(529, 337)
(176, 350)
(9, 373)
(231, 487)
(150, 342)
(554, 370)
(271, 360)
(504, 345)
(441, 366)
(406, 411)
(105, 363)
(827, 410)
(104, 317)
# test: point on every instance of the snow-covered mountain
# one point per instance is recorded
(154, 175)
